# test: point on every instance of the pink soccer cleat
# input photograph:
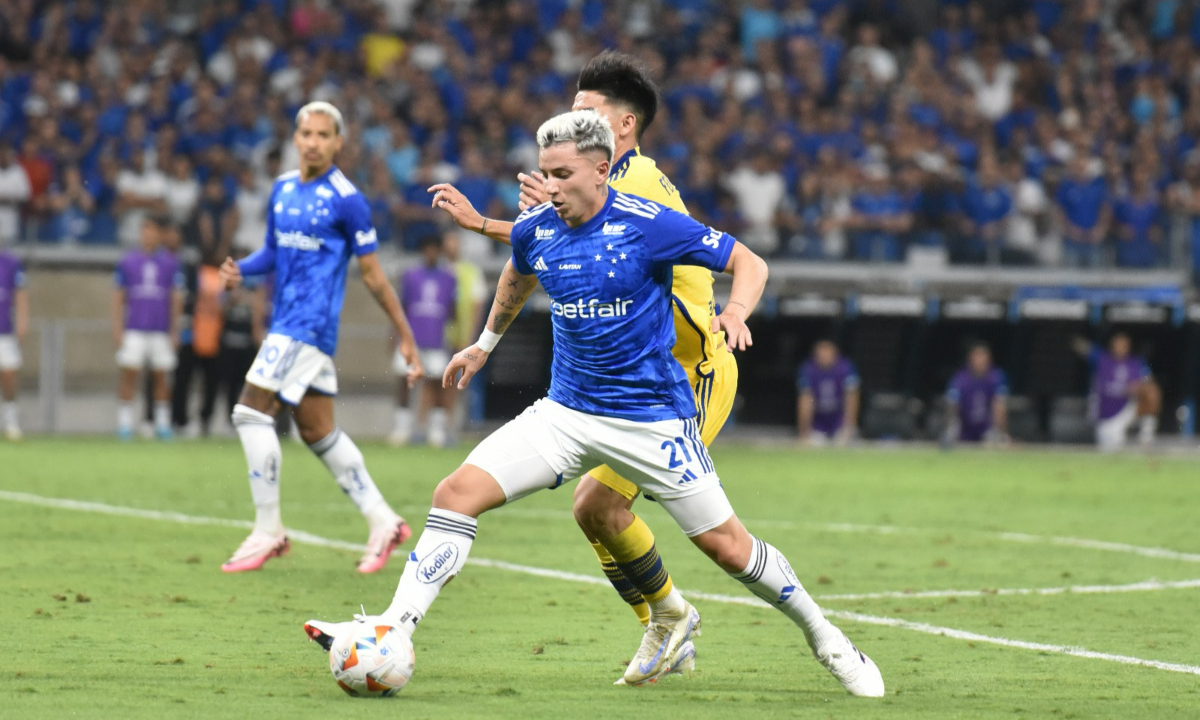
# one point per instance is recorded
(255, 551)
(380, 545)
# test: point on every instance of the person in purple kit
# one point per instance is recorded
(827, 408)
(429, 294)
(146, 308)
(14, 321)
(1122, 390)
(976, 401)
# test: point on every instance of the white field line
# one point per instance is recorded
(1145, 585)
(317, 540)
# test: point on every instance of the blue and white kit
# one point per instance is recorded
(617, 395)
(313, 228)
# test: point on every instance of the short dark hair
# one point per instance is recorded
(623, 79)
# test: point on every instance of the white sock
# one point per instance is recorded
(162, 415)
(264, 458)
(402, 422)
(345, 461)
(440, 553)
(10, 414)
(125, 415)
(437, 427)
(1147, 428)
(769, 576)
(673, 604)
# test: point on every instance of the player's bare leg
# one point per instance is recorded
(314, 420)
(767, 574)
(431, 413)
(162, 404)
(8, 390)
(402, 418)
(126, 387)
(1149, 405)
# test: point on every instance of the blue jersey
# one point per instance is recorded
(313, 228)
(609, 282)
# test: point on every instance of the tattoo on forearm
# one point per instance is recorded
(501, 322)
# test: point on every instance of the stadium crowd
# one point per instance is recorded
(1020, 132)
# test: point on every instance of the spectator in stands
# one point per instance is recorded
(1123, 391)
(1025, 232)
(181, 191)
(828, 388)
(141, 191)
(758, 188)
(215, 222)
(1083, 214)
(40, 171)
(877, 218)
(986, 206)
(1137, 216)
(977, 401)
(250, 209)
(71, 206)
(14, 193)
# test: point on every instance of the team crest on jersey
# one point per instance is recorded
(614, 229)
(278, 208)
(288, 187)
(543, 233)
(324, 192)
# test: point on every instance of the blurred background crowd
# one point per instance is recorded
(1024, 132)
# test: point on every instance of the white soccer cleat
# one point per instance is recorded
(324, 633)
(853, 669)
(255, 551)
(13, 433)
(664, 638)
(684, 663)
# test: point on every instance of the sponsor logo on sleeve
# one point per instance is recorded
(366, 237)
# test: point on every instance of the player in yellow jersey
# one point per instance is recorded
(620, 88)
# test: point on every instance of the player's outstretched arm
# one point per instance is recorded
(377, 282)
(511, 293)
(749, 273)
(447, 197)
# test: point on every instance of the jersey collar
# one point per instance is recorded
(596, 219)
(317, 179)
(621, 166)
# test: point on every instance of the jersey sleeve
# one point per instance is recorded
(676, 239)
(852, 380)
(520, 243)
(356, 225)
(1001, 384)
(953, 392)
(803, 378)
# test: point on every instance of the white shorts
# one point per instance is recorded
(10, 353)
(289, 368)
(434, 361)
(1110, 433)
(140, 348)
(550, 443)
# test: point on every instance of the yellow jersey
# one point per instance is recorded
(697, 348)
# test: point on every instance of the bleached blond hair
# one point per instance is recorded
(587, 129)
(320, 107)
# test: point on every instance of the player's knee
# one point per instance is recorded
(467, 492)
(598, 510)
(312, 436)
(729, 550)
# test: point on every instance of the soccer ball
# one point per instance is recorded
(372, 661)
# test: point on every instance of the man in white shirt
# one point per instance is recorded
(759, 190)
(140, 190)
(14, 190)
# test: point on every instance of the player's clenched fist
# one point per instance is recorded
(231, 274)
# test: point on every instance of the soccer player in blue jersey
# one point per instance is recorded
(316, 221)
(617, 396)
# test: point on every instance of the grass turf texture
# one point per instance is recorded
(119, 617)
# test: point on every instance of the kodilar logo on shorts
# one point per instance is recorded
(437, 564)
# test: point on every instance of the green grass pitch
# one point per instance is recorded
(118, 616)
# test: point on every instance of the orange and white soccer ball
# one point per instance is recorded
(372, 661)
